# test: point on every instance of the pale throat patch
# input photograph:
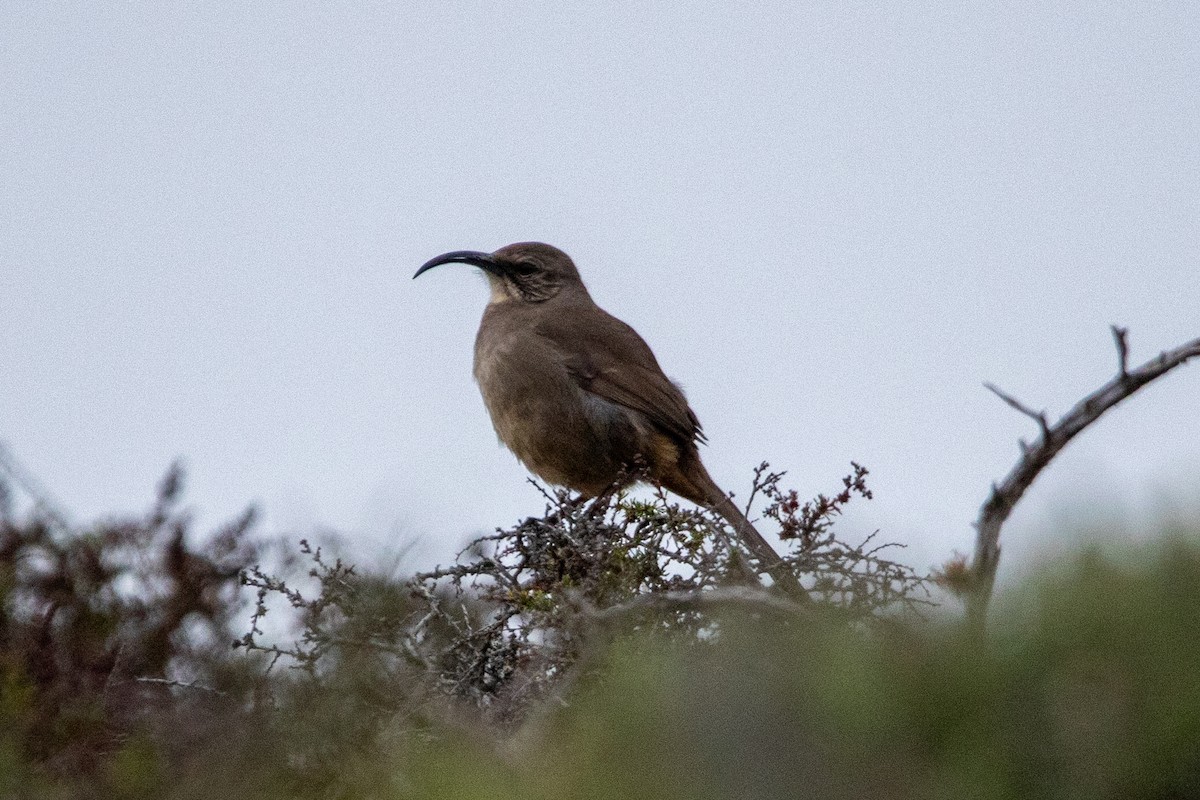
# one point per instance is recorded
(499, 289)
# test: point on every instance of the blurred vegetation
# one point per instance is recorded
(612, 651)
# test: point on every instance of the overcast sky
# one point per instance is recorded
(832, 222)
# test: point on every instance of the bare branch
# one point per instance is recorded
(1005, 495)
(1037, 416)
(1122, 343)
(746, 596)
(183, 685)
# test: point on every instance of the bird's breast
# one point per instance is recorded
(524, 386)
(561, 432)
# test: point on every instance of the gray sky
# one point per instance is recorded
(832, 222)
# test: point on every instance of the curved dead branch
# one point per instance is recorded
(1035, 457)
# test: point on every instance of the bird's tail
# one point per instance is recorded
(769, 560)
(688, 478)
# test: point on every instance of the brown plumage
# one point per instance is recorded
(578, 395)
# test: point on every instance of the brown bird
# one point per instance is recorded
(577, 394)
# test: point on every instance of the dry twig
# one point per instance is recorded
(1035, 458)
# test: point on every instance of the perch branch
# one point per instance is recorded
(745, 596)
(596, 620)
(1034, 458)
(182, 685)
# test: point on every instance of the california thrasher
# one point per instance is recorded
(578, 396)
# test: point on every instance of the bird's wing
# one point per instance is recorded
(608, 358)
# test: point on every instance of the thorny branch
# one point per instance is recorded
(511, 622)
(1004, 496)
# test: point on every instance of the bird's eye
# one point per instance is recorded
(525, 268)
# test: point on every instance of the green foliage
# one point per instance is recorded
(1089, 689)
(1087, 685)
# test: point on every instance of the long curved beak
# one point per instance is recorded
(484, 261)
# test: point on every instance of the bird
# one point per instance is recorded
(578, 396)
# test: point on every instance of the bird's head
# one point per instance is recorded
(529, 272)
